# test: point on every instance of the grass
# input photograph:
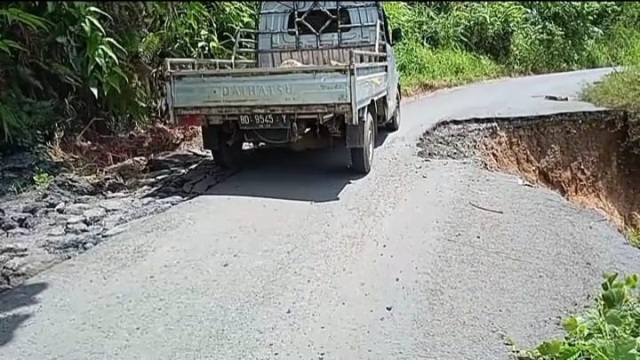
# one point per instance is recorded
(426, 69)
(633, 236)
(619, 90)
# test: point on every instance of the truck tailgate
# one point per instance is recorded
(252, 88)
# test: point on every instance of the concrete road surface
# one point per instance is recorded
(297, 259)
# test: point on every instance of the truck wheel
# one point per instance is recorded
(362, 158)
(394, 124)
(226, 155)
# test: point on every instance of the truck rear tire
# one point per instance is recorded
(225, 155)
(228, 156)
(394, 124)
(362, 158)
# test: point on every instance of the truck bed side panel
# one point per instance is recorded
(369, 87)
(370, 83)
(260, 90)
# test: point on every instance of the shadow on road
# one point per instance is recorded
(314, 176)
(13, 300)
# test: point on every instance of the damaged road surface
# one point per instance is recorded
(293, 259)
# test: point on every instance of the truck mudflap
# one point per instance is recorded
(355, 135)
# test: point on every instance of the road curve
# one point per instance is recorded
(296, 259)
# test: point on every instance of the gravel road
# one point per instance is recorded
(296, 259)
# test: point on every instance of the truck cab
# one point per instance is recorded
(315, 74)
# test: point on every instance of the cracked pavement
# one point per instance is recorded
(294, 258)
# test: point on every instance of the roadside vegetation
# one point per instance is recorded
(452, 43)
(609, 330)
(619, 90)
(94, 68)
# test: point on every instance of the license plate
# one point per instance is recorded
(264, 121)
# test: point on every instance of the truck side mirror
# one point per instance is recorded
(396, 35)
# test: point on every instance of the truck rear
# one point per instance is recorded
(314, 78)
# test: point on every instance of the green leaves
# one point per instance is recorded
(14, 15)
(608, 331)
(550, 348)
(100, 59)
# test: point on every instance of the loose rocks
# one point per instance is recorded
(41, 227)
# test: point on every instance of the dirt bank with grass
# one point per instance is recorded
(588, 157)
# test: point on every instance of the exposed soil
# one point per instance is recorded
(589, 157)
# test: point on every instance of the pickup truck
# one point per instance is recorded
(317, 74)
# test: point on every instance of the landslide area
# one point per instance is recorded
(591, 158)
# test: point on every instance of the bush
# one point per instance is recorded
(515, 37)
(619, 90)
(608, 331)
(77, 62)
(422, 68)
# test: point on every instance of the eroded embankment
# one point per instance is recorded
(591, 158)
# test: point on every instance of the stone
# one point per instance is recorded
(76, 209)
(95, 229)
(18, 232)
(59, 208)
(142, 191)
(116, 195)
(111, 221)
(14, 264)
(74, 184)
(114, 186)
(44, 212)
(68, 242)
(20, 268)
(156, 164)
(21, 218)
(7, 223)
(30, 223)
(51, 200)
(136, 203)
(77, 228)
(33, 208)
(113, 204)
(162, 208)
(57, 231)
(59, 218)
(146, 201)
(160, 173)
(12, 248)
(172, 200)
(115, 231)
(74, 219)
(94, 215)
(85, 199)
